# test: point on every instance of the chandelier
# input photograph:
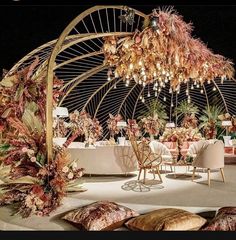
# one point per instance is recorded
(162, 52)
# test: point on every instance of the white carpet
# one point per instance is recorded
(192, 196)
(172, 192)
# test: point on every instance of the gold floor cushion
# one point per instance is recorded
(166, 219)
(99, 216)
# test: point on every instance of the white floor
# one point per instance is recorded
(172, 192)
(192, 196)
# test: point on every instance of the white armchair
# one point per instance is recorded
(162, 150)
(208, 154)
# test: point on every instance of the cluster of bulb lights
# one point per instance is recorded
(158, 87)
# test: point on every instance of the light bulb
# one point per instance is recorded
(214, 88)
(140, 63)
(143, 100)
(115, 86)
(144, 77)
(208, 81)
(166, 80)
(154, 74)
(195, 83)
(144, 84)
(172, 105)
(167, 74)
(140, 97)
(155, 93)
(158, 66)
(131, 66)
(159, 89)
(109, 78)
(163, 72)
(198, 86)
(148, 95)
(192, 87)
(201, 91)
(164, 98)
(189, 100)
(156, 84)
(170, 90)
(140, 81)
(116, 75)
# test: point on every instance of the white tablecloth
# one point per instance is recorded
(110, 159)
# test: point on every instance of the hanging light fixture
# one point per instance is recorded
(133, 55)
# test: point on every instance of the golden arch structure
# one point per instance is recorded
(76, 57)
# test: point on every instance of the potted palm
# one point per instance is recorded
(189, 111)
(210, 121)
(153, 120)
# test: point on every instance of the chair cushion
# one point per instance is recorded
(100, 215)
(166, 219)
(225, 220)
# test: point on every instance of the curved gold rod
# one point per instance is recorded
(78, 58)
(80, 79)
(55, 51)
(206, 95)
(98, 106)
(126, 98)
(48, 44)
(137, 102)
(90, 98)
(226, 108)
(93, 36)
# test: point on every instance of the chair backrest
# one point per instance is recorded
(211, 155)
(159, 148)
(143, 152)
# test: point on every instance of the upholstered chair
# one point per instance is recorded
(209, 155)
(161, 149)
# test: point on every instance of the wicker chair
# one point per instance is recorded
(146, 158)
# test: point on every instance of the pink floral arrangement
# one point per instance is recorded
(151, 125)
(180, 135)
(112, 124)
(133, 130)
(81, 123)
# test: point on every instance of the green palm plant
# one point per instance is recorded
(210, 121)
(155, 108)
(188, 110)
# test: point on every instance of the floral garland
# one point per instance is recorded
(81, 123)
(29, 180)
(151, 125)
(112, 124)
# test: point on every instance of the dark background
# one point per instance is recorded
(25, 25)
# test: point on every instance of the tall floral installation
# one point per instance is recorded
(32, 184)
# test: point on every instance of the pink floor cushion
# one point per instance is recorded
(225, 220)
(99, 216)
